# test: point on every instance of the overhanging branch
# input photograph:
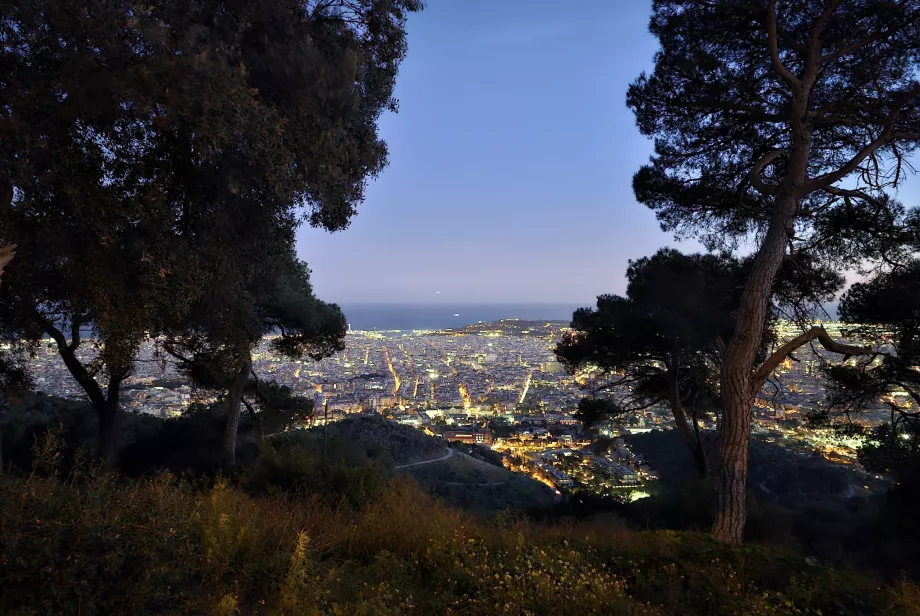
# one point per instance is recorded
(823, 181)
(879, 36)
(815, 333)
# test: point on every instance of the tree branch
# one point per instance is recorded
(248, 405)
(813, 56)
(260, 394)
(815, 333)
(754, 176)
(74, 335)
(7, 252)
(909, 391)
(848, 192)
(171, 349)
(778, 65)
(77, 369)
(823, 181)
(844, 51)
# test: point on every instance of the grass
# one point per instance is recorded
(88, 542)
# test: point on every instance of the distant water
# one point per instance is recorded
(442, 316)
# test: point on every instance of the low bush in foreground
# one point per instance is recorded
(94, 543)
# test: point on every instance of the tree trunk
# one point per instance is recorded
(105, 405)
(233, 417)
(109, 422)
(731, 490)
(700, 461)
(256, 421)
(737, 373)
(108, 428)
(693, 442)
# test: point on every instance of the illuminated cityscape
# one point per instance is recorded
(492, 384)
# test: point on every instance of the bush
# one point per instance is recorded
(192, 443)
(93, 543)
(298, 471)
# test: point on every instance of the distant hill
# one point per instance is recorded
(373, 437)
(512, 327)
(794, 499)
(457, 479)
(474, 485)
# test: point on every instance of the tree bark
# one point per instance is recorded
(737, 373)
(256, 421)
(7, 252)
(233, 417)
(109, 422)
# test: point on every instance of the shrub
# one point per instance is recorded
(192, 443)
(95, 543)
(299, 471)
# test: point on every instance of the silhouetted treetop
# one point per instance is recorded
(152, 152)
(721, 104)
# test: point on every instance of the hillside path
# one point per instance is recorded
(450, 452)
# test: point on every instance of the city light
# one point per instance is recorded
(494, 384)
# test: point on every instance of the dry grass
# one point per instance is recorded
(91, 543)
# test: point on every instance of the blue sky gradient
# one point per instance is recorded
(511, 161)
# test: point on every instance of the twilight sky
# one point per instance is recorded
(511, 161)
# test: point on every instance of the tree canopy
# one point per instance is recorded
(213, 346)
(659, 343)
(783, 121)
(147, 150)
(662, 343)
(722, 104)
(885, 310)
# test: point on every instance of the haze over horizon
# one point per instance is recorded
(511, 163)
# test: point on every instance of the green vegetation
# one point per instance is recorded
(657, 345)
(661, 343)
(89, 542)
(156, 161)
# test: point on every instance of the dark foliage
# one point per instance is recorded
(342, 477)
(759, 111)
(213, 343)
(721, 110)
(151, 153)
(661, 343)
(886, 308)
(189, 444)
(890, 301)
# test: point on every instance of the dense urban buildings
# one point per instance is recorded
(492, 384)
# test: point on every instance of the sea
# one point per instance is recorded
(446, 316)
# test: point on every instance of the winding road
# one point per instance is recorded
(450, 452)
